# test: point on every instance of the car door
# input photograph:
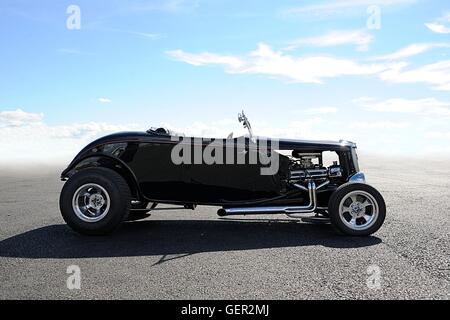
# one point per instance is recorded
(234, 179)
(159, 178)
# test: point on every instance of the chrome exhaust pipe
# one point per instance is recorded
(288, 210)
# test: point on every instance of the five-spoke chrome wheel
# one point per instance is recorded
(358, 210)
(91, 202)
(95, 201)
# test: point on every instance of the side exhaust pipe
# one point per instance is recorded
(289, 210)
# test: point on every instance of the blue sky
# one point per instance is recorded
(305, 69)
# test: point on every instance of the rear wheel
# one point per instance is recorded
(95, 201)
(357, 209)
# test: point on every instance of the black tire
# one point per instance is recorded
(119, 196)
(337, 219)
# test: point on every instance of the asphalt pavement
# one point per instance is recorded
(185, 254)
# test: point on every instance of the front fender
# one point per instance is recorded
(358, 177)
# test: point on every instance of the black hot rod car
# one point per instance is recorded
(126, 175)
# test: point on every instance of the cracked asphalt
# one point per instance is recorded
(196, 255)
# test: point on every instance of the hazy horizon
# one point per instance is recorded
(366, 160)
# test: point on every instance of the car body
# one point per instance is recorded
(147, 167)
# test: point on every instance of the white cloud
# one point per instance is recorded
(206, 58)
(84, 131)
(437, 135)
(26, 137)
(362, 100)
(441, 25)
(18, 118)
(426, 106)
(104, 100)
(360, 38)
(303, 69)
(411, 50)
(171, 6)
(321, 110)
(153, 36)
(436, 74)
(437, 27)
(315, 69)
(265, 61)
(148, 35)
(308, 128)
(217, 129)
(379, 125)
(370, 136)
(329, 8)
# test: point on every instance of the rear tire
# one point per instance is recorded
(357, 209)
(95, 201)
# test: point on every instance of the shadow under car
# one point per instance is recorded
(175, 237)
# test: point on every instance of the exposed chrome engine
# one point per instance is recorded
(308, 174)
(309, 166)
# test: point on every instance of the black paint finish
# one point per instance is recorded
(144, 159)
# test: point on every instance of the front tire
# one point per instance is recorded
(95, 201)
(357, 209)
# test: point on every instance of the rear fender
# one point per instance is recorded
(109, 162)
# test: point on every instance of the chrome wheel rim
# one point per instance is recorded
(91, 203)
(358, 210)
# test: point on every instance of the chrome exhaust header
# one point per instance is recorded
(288, 210)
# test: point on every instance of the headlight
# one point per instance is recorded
(358, 177)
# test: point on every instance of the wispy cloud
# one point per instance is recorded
(38, 139)
(266, 61)
(438, 135)
(360, 38)
(307, 128)
(321, 110)
(411, 50)
(104, 100)
(435, 74)
(328, 8)
(437, 27)
(172, 6)
(441, 25)
(379, 125)
(206, 58)
(426, 106)
(148, 35)
(18, 117)
(368, 134)
(315, 69)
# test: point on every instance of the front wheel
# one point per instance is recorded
(357, 209)
(95, 201)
